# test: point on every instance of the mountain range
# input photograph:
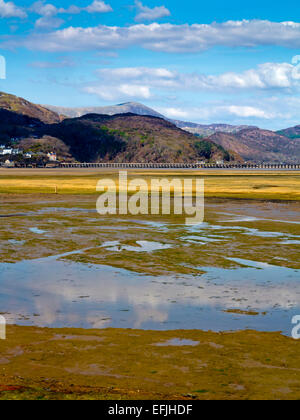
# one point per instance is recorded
(126, 108)
(132, 132)
(249, 142)
(102, 138)
(140, 109)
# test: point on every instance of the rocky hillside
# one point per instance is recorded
(22, 107)
(260, 145)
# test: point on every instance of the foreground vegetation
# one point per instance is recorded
(261, 185)
(132, 364)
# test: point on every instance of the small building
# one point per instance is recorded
(52, 157)
(4, 152)
(9, 164)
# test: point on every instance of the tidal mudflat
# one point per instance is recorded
(213, 302)
(63, 265)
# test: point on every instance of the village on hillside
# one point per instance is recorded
(11, 156)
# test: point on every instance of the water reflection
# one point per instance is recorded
(44, 293)
(55, 292)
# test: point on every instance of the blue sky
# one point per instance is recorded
(224, 62)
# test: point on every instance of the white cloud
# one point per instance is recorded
(98, 7)
(9, 9)
(43, 9)
(129, 82)
(267, 76)
(209, 113)
(135, 91)
(175, 113)
(146, 13)
(72, 10)
(246, 111)
(47, 9)
(47, 22)
(136, 73)
(273, 112)
(123, 91)
(164, 37)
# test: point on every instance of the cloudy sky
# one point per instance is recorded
(226, 62)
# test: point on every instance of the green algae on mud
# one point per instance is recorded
(128, 364)
(71, 223)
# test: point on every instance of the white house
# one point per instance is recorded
(6, 152)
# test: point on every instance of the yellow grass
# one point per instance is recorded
(272, 185)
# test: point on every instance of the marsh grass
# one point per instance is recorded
(260, 185)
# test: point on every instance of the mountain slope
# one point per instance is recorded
(22, 107)
(292, 133)
(260, 145)
(208, 130)
(16, 126)
(232, 142)
(132, 138)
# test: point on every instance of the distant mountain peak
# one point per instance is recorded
(123, 108)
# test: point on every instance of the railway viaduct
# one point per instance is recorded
(180, 166)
